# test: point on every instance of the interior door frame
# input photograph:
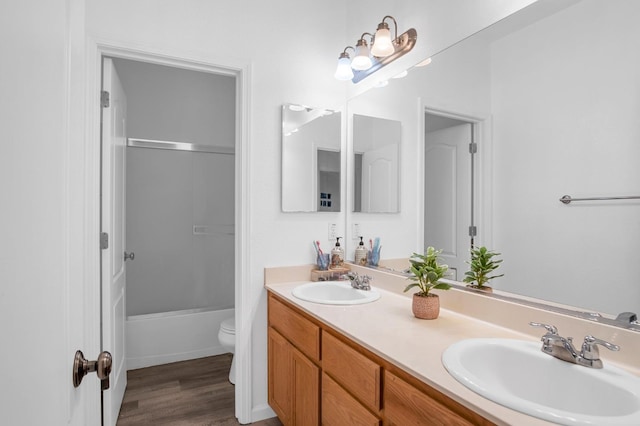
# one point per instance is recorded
(482, 190)
(202, 62)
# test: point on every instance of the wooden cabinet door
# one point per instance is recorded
(406, 405)
(280, 370)
(306, 389)
(339, 408)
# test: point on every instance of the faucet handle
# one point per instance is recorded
(590, 350)
(552, 329)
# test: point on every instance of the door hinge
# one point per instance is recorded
(473, 148)
(104, 99)
(104, 241)
(473, 231)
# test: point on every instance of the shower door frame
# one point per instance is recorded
(241, 70)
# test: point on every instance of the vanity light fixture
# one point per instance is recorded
(384, 50)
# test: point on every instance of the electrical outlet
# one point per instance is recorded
(355, 231)
(333, 231)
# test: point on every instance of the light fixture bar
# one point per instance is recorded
(403, 45)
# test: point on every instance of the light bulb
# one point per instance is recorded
(362, 60)
(382, 45)
(344, 71)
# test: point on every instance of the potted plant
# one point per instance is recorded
(426, 273)
(481, 265)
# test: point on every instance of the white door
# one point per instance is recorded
(380, 180)
(113, 223)
(447, 205)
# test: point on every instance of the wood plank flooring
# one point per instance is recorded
(187, 393)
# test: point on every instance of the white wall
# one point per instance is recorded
(178, 105)
(538, 158)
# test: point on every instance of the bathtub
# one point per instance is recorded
(166, 337)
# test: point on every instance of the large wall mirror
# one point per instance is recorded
(311, 160)
(552, 95)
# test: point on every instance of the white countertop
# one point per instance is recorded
(388, 328)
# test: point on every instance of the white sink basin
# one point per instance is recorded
(516, 374)
(334, 293)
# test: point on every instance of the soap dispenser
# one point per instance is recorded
(361, 253)
(337, 255)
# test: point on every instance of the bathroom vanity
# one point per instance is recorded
(374, 363)
(317, 375)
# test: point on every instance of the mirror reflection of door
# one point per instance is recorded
(328, 181)
(376, 144)
(448, 207)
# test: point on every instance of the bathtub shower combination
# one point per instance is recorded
(180, 224)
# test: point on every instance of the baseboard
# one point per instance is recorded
(262, 412)
(149, 361)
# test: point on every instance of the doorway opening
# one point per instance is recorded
(450, 145)
(169, 206)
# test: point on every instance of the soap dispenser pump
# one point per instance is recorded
(361, 253)
(337, 255)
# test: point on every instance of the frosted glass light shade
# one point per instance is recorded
(362, 61)
(344, 71)
(382, 45)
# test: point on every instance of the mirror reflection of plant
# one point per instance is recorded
(427, 272)
(481, 265)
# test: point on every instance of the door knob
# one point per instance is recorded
(102, 366)
(129, 256)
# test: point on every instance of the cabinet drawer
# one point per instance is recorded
(340, 408)
(353, 370)
(301, 332)
(407, 405)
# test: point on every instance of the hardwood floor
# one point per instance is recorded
(195, 392)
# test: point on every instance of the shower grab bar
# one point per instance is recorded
(179, 146)
(566, 199)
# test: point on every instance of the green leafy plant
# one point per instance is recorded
(427, 272)
(481, 265)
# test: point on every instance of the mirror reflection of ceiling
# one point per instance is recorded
(556, 92)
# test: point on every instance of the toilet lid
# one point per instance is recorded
(229, 325)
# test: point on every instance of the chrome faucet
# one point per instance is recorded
(562, 348)
(360, 282)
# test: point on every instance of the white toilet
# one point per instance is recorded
(227, 338)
